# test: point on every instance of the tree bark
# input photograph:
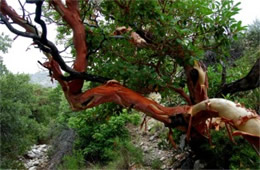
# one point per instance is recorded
(249, 82)
(71, 15)
(112, 91)
(197, 81)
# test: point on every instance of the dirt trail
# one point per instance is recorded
(158, 154)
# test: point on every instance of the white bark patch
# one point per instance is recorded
(231, 111)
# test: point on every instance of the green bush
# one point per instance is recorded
(126, 155)
(73, 161)
(18, 131)
(224, 154)
(100, 134)
(26, 112)
(156, 164)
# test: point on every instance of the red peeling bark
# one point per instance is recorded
(114, 92)
(71, 15)
(8, 11)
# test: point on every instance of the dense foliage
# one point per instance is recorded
(224, 154)
(101, 133)
(172, 30)
(26, 116)
(5, 43)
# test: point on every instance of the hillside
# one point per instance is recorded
(42, 78)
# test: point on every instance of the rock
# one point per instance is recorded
(36, 162)
(31, 154)
(162, 158)
(37, 153)
(170, 158)
(180, 156)
(145, 148)
(34, 147)
(196, 165)
(62, 145)
(163, 167)
(28, 164)
(36, 157)
(44, 146)
(182, 141)
(151, 138)
(44, 149)
(187, 164)
(33, 168)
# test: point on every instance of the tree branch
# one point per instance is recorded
(71, 15)
(224, 74)
(46, 46)
(249, 82)
(112, 91)
(15, 31)
(182, 93)
(37, 19)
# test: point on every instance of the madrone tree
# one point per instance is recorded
(135, 44)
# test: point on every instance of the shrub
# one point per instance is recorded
(100, 133)
(224, 154)
(73, 161)
(18, 131)
(26, 111)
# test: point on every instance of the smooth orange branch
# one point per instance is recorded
(72, 4)
(71, 15)
(54, 67)
(114, 92)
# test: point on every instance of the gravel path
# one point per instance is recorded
(158, 154)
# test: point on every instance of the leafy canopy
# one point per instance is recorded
(177, 33)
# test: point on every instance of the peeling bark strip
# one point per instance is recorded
(197, 81)
(246, 121)
(6, 10)
(249, 82)
(114, 92)
(71, 15)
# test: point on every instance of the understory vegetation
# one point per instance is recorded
(28, 115)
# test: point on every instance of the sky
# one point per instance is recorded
(22, 57)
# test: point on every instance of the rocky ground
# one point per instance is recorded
(158, 154)
(37, 157)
